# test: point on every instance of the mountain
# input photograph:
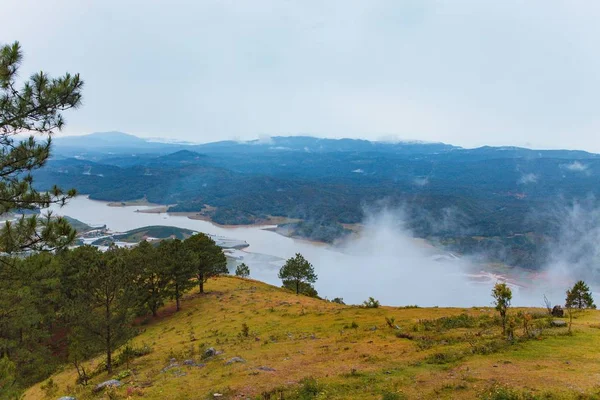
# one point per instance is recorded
(488, 200)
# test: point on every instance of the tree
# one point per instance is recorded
(152, 278)
(100, 299)
(242, 270)
(180, 266)
(502, 296)
(296, 272)
(33, 109)
(581, 296)
(208, 258)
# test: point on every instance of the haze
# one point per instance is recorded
(464, 72)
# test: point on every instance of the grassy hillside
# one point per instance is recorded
(302, 348)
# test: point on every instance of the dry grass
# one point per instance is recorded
(300, 337)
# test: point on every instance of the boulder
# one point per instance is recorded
(557, 311)
(559, 322)
(235, 360)
(105, 384)
(210, 352)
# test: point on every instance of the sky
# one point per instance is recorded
(465, 72)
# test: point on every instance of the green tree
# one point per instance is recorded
(580, 296)
(101, 300)
(180, 265)
(35, 109)
(242, 270)
(152, 278)
(502, 297)
(297, 272)
(208, 258)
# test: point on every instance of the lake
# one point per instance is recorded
(384, 261)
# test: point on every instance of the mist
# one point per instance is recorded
(387, 262)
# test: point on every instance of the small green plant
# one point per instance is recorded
(391, 322)
(50, 388)
(245, 330)
(371, 303)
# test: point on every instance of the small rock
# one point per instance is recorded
(263, 368)
(558, 322)
(374, 328)
(110, 382)
(235, 360)
(217, 395)
(67, 398)
(170, 366)
(189, 362)
(210, 352)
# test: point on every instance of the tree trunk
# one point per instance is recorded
(297, 287)
(177, 297)
(201, 283)
(108, 340)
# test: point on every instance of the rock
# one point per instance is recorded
(217, 395)
(105, 384)
(373, 328)
(235, 360)
(189, 362)
(67, 398)
(170, 366)
(557, 311)
(263, 368)
(208, 353)
(559, 322)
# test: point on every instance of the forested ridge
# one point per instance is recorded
(493, 201)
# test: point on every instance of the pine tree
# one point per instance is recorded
(242, 270)
(151, 281)
(297, 272)
(179, 264)
(100, 298)
(34, 109)
(208, 258)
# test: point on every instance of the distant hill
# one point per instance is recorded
(488, 200)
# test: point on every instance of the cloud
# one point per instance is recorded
(421, 181)
(575, 166)
(383, 68)
(527, 179)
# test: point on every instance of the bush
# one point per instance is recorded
(392, 396)
(444, 358)
(338, 300)
(371, 303)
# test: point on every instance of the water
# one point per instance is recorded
(383, 262)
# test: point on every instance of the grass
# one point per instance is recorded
(313, 349)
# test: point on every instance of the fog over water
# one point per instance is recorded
(384, 261)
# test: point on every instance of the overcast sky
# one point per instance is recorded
(463, 72)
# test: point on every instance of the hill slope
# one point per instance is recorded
(303, 348)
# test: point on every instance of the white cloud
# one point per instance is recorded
(528, 178)
(575, 166)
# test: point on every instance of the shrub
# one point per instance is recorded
(245, 330)
(392, 396)
(404, 335)
(338, 300)
(371, 303)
